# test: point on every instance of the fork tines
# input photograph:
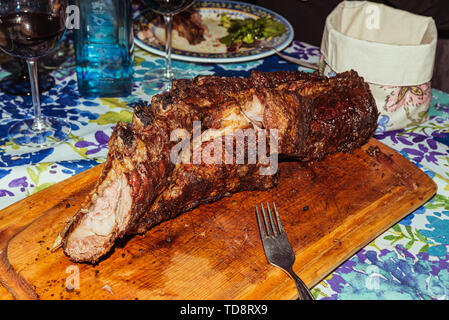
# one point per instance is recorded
(275, 228)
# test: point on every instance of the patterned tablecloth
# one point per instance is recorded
(409, 261)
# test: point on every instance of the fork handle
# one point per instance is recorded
(304, 292)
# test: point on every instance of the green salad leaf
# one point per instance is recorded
(247, 31)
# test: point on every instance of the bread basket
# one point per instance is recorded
(392, 49)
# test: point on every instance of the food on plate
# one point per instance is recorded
(141, 186)
(204, 32)
(247, 31)
(189, 25)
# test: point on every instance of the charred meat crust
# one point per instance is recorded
(314, 116)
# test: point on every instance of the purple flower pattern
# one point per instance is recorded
(19, 183)
(418, 146)
(4, 193)
(102, 143)
(303, 51)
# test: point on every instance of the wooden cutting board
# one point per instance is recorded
(330, 210)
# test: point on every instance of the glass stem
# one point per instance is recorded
(38, 123)
(168, 19)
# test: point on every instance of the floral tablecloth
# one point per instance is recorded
(409, 261)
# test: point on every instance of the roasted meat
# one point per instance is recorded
(155, 171)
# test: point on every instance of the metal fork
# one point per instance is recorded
(278, 249)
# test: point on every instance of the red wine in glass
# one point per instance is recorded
(29, 30)
(30, 34)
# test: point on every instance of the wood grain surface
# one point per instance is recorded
(329, 209)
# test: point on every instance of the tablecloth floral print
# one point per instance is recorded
(409, 261)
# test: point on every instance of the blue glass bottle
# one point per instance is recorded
(104, 48)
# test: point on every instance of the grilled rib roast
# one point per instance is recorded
(140, 186)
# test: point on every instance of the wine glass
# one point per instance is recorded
(162, 78)
(30, 30)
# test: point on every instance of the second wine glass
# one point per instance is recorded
(161, 79)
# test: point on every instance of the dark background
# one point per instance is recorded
(308, 17)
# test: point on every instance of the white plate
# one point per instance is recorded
(148, 35)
